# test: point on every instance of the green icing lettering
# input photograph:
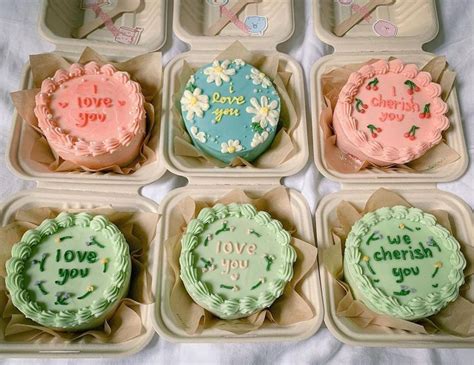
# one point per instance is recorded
(375, 236)
(426, 251)
(64, 274)
(91, 257)
(406, 239)
(402, 273)
(69, 256)
(394, 241)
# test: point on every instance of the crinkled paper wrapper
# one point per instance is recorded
(289, 309)
(283, 146)
(332, 83)
(145, 69)
(125, 324)
(455, 319)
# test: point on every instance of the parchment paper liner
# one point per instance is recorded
(289, 309)
(455, 319)
(126, 323)
(332, 83)
(145, 69)
(283, 146)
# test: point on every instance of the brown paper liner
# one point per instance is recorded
(283, 146)
(455, 319)
(332, 83)
(289, 309)
(145, 69)
(126, 323)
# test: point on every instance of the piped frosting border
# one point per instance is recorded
(370, 147)
(21, 252)
(245, 306)
(377, 300)
(63, 141)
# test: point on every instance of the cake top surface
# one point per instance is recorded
(235, 260)
(90, 109)
(68, 270)
(392, 111)
(230, 107)
(403, 262)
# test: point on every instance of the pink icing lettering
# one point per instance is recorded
(407, 106)
(391, 116)
(88, 102)
(86, 117)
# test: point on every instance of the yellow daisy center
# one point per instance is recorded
(262, 75)
(218, 69)
(193, 101)
(231, 149)
(264, 111)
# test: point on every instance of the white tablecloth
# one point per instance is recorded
(19, 39)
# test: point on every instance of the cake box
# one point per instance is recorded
(417, 24)
(190, 21)
(84, 190)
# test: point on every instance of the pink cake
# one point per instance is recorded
(92, 115)
(389, 113)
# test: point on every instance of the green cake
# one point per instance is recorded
(235, 260)
(70, 272)
(399, 261)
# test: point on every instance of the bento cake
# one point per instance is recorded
(70, 272)
(235, 260)
(389, 113)
(92, 115)
(231, 109)
(399, 261)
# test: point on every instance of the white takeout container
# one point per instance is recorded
(50, 196)
(56, 19)
(190, 20)
(165, 320)
(417, 24)
(85, 190)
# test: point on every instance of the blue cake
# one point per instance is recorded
(231, 109)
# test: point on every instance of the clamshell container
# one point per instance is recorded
(191, 19)
(55, 24)
(417, 24)
(84, 190)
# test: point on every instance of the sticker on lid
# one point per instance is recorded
(256, 24)
(384, 28)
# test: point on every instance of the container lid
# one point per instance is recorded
(129, 34)
(261, 24)
(403, 25)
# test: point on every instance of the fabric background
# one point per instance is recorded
(19, 38)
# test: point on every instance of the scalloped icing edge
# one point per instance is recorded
(371, 296)
(63, 141)
(344, 108)
(68, 319)
(232, 308)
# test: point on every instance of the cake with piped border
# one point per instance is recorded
(92, 115)
(70, 272)
(401, 262)
(389, 113)
(235, 260)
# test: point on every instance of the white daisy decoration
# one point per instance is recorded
(239, 62)
(200, 136)
(259, 78)
(219, 72)
(265, 113)
(231, 146)
(259, 139)
(194, 103)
